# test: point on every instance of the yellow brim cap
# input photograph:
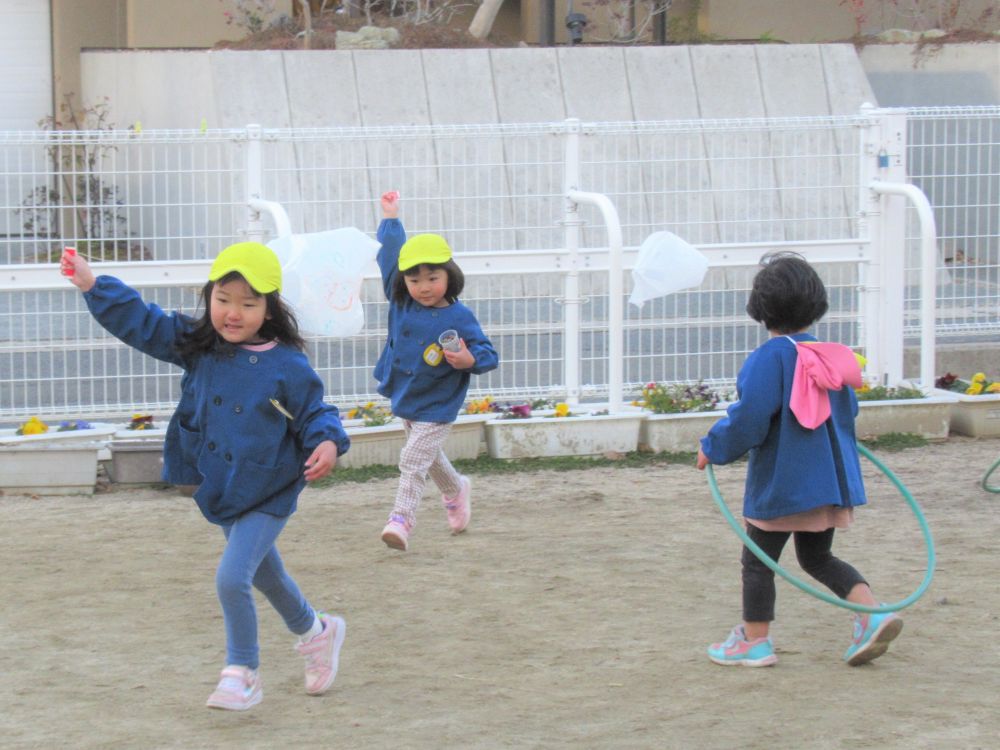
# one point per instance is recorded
(424, 248)
(253, 261)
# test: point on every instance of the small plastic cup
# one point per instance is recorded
(449, 341)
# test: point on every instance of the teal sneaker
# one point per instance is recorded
(736, 649)
(872, 635)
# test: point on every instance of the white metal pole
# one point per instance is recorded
(571, 283)
(255, 182)
(616, 316)
(928, 274)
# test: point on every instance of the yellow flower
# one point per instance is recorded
(993, 387)
(34, 426)
(975, 389)
(562, 410)
(979, 377)
(352, 414)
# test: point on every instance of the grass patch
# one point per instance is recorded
(895, 441)
(487, 465)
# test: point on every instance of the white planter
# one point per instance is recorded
(382, 444)
(49, 468)
(562, 436)
(676, 433)
(975, 416)
(52, 463)
(930, 418)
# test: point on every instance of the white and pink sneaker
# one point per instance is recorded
(459, 508)
(396, 533)
(238, 690)
(322, 654)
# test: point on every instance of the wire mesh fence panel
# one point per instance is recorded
(498, 194)
(953, 156)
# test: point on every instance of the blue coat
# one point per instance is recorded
(225, 434)
(791, 469)
(419, 390)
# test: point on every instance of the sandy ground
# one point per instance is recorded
(573, 614)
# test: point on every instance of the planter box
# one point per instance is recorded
(49, 468)
(975, 416)
(676, 433)
(53, 463)
(136, 462)
(382, 444)
(930, 418)
(562, 436)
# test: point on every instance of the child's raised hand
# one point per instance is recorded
(77, 270)
(390, 204)
(463, 359)
(322, 461)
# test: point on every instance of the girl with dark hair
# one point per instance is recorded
(250, 430)
(424, 376)
(795, 417)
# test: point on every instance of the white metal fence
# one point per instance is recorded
(157, 206)
(953, 156)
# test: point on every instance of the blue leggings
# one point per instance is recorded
(252, 560)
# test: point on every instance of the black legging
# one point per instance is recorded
(812, 548)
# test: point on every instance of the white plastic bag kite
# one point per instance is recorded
(321, 278)
(666, 264)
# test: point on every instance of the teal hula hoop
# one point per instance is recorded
(986, 478)
(823, 595)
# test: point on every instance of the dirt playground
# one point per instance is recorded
(574, 613)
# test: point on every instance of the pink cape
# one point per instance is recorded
(821, 367)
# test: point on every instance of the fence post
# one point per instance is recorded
(883, 159)
(571, 283)
(255, 183)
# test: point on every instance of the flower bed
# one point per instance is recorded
(975, 409)
(43, 461)
(381, 444)
(676, 433)
(929, 417)
(583, 435)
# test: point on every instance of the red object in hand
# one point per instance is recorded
(70, 251)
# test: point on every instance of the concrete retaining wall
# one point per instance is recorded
(177, 89)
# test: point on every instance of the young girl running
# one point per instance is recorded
(425, 382)
(250, 430)
(795, 416)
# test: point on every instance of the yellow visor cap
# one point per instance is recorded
(424, 248)
(253, 261)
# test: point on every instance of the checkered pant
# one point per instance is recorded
(422, 456)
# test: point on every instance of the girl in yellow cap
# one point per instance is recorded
(251, 428)
(425, 381)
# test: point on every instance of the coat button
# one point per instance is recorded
(217, 400)
(211, 446)
(253, 359)
(238, 409)
(229, 456)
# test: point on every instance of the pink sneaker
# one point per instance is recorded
(459, 508)
(238, 690)
(322, 653)
(396, 533)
